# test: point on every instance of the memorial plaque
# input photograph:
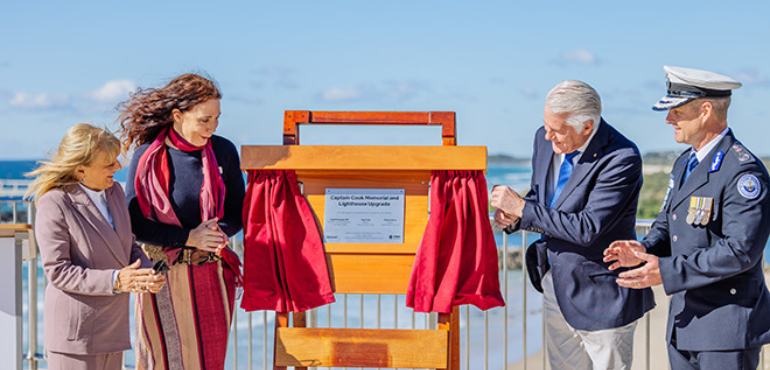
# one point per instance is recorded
(364, 216)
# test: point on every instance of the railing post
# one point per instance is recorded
(32, 313)
(251, 343)
(505, 298)
(11, 289)
(264, 340)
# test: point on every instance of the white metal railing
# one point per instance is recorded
(11, 188)
(493, 326)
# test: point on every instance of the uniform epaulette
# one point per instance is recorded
(742, 154)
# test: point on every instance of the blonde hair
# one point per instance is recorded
(81, 145)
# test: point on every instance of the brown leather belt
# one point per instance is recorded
(197, 257)
(190, 256)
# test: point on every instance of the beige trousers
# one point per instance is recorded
(569, 348)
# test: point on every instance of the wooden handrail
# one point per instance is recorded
(8, 230)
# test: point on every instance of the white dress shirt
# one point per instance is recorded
(100, 200)
(559, 159)
(703, 152)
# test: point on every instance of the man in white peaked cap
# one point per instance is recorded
(707, 242)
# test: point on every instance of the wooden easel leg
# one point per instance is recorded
(454, 340)
(281, 320)
(451, 323)
(299, 320)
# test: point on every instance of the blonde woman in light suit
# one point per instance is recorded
(88, 252)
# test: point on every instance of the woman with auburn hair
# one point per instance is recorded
(83, 231)
(185, 196)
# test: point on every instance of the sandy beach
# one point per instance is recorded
(658, 358)
(655, 168)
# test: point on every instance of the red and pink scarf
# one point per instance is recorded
(152, 188)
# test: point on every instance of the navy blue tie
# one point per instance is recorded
(564, 171)
(691, 164)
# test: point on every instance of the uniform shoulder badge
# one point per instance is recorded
(749, 186)
(743, 155)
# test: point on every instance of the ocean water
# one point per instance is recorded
(515, 176)
(15, 170)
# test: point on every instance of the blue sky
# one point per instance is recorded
(492, 62)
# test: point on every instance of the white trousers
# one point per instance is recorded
(569, 348)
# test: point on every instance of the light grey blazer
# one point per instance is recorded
(79, 251)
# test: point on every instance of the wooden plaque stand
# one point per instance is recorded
(367, 268)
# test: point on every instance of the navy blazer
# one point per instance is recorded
(714, 271)
(596, 207)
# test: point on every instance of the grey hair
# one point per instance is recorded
(578, 100)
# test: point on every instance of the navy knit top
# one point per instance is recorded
(186, 179)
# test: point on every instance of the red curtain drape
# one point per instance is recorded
(456, 262)
(284, 263)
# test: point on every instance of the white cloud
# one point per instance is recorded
(113, 91)
(341, 94)
(97, 100)
(530, 93)
(578, 56)
(752, 77)
(394, 90)
(404, 90)
(32, 101)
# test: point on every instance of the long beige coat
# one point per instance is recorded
(80, 250)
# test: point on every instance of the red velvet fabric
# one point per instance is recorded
(456, 262)
(284, 263)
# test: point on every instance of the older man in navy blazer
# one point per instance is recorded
(706, 244)
(585, 186)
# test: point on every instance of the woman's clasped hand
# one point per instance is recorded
(133, 279)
